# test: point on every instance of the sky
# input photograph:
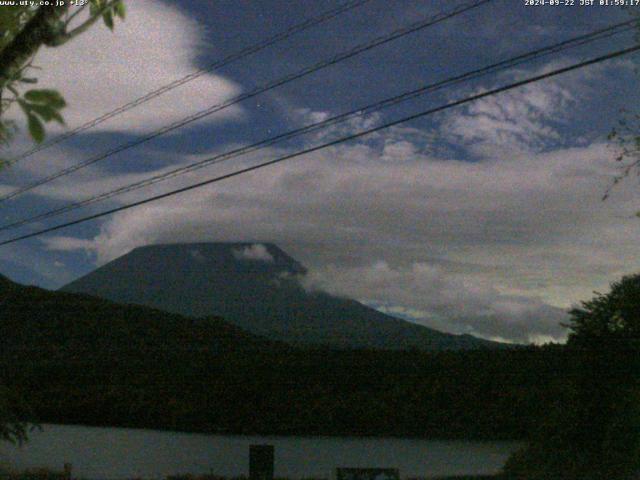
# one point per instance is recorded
(485, 219)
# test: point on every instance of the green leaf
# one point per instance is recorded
(108, 19)
(43, 111)
(26, 107)
(46, 96)
(120, 9)
(57, 117)
(94, 7)
(28, 80)
(36, 129)
(47, 113)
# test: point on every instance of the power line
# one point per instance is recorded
(415, 116)
(574, 42)
(239, 55)
(412, 28)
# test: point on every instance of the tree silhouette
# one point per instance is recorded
(594, 431)
(23, 30)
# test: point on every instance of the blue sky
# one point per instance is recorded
(484, 219)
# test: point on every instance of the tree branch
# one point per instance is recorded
(66, 36)
(40, 30)
(75, 14)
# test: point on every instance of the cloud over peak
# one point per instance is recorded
(256, 252)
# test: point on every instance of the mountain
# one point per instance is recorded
(256, 287)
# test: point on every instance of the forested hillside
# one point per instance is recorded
(77, 359)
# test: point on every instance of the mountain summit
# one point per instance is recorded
(255, 286)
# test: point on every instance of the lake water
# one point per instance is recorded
(118, 453)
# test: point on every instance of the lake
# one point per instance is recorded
(117, 453)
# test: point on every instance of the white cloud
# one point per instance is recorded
(428, 294)
(68, 244)
(523, 120)
(256, 252)
(516, 120)
(357, 123)
(497, 248)
(101, 70)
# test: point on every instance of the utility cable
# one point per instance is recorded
(239, 55)
(412, 28)
(574, 42)
(354, 136)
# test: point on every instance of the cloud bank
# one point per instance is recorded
(154, 46)
(497, 239)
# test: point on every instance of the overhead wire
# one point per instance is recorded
(357, 50)
(573, 42)
(233, 57)
(431, 111)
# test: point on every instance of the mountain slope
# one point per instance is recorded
(255, 286)
(37, 323)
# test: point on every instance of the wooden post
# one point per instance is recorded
(261, 460)
(66, 471)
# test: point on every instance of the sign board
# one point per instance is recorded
(367, 474)
(261, 458)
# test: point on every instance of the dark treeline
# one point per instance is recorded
(447, 395)
(77, 359)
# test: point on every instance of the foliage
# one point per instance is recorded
(12, 426)
(625, 136)
(594, 432)
(609, 320)
(23, 30)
